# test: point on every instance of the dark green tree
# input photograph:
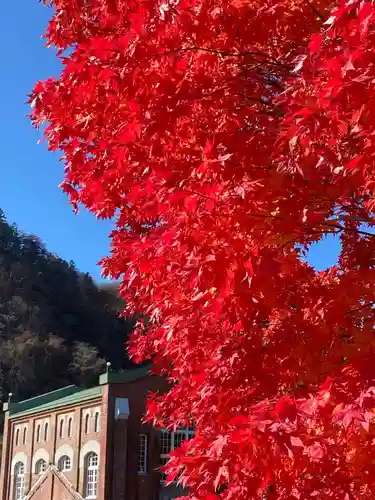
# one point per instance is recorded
(57, 326)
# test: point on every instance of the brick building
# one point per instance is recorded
(87, 444)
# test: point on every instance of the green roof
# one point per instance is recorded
(62, 397)
(72, 394)
(124, 376)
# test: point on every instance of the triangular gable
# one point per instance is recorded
(52, 469)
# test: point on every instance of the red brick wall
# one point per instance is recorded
(118, 442)
(51, 445)
(135, 486)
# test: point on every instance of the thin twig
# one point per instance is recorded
(368, 304)
(224, 54)
(344, 229)
(307, 230)
(319, 14)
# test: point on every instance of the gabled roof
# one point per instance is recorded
(52, 469)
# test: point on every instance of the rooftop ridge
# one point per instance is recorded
(125, 375)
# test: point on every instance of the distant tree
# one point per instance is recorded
(31, 365)
(56, 325)
(86, 364)
(112, 290)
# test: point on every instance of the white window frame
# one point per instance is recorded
(40, 466)
(163, 456)
(91, 475)
(19, 481)
(142, 453)
(65, 463)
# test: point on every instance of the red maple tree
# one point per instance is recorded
(225, 137)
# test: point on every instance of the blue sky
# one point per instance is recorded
(30, 175)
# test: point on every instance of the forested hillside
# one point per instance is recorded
(56, 325)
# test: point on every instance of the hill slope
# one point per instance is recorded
(56, 325)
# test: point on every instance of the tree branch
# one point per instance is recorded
(368, 304)
(226, 54)
(344, 229)
(314, 9)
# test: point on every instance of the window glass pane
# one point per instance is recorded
(165, 443)
(97, 422)
(170, 441)
(91, 475)
(19, 481)
(178, 437)
(19, 488)
(65, 463)
(163, 461)
(142, 454)
(40, 467)
(190, 434)
(93, 460)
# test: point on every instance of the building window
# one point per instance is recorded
(91, 475)
(64, 464)
(169, 441)
(46, 431)
(40, 466)
(17, 437)
(87, 424)
(24, 435)
(97, 422)
(38, 434)
(61, 428)
(19, 481)
(142, 454)
(70, 427)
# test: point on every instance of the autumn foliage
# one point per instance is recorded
(225, 137)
